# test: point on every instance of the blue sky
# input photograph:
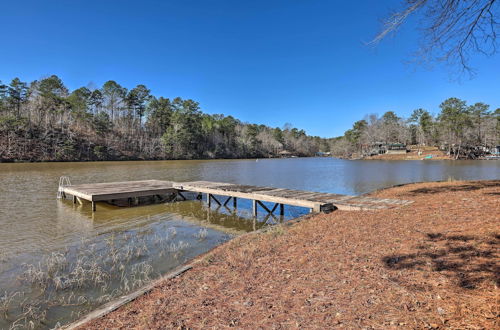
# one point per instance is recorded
(304, 62)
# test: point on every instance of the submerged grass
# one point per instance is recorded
(201, 234)
(95, 272)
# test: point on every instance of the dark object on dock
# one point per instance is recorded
(315, 201)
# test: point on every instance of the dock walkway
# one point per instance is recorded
(315, 201)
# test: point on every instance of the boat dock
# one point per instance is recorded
(109, 191)
(215, 191)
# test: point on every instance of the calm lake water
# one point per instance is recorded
(58, 260)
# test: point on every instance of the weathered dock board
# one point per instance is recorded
(95, 192)
(315, 201)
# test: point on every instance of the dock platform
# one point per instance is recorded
(315, 201)
(97, 192)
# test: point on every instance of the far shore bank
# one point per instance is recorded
(432, 264)
(379, 157)
(23, 161)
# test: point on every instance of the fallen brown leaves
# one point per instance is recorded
(433, 264)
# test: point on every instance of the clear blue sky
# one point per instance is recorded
(264, 61)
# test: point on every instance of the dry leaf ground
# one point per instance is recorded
(433, 264)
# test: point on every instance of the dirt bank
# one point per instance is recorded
(434, 264)
(426, 153)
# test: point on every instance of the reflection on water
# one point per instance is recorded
(36, 228)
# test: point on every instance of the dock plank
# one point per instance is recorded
(95, 192)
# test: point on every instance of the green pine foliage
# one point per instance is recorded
(44, 120)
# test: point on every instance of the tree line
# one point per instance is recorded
(461, 130)
(44, 120)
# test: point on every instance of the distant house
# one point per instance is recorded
(323, 154)
(396, 149)
(285, 154)
(376, 148)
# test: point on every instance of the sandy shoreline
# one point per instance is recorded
(432, 264)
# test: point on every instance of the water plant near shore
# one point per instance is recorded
(79, 278)
(201, 234)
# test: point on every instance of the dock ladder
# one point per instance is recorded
(63, 182)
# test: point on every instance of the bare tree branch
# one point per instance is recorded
(452, 30)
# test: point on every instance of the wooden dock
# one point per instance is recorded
(97, 192)
(315, 201)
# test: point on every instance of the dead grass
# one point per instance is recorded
(434, 264)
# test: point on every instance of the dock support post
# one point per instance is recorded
(216, 200)
(74, 199)
(235, 203)
(254, 210)
(282, 209)
(264, 207)
(227, 201)
(182, 196)
(209, 200)
(93, 207)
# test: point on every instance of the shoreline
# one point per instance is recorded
(2, 161)
(203, 263)
(117, 303)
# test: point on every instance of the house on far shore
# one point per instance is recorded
(380, 148)
(396, 149)
(323, 154)
(285, 154)
(373, 149)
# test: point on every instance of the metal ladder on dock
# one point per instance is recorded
(63, 182)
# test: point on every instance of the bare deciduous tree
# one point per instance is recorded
(452, 30)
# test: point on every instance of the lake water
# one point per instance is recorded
(58, 260)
